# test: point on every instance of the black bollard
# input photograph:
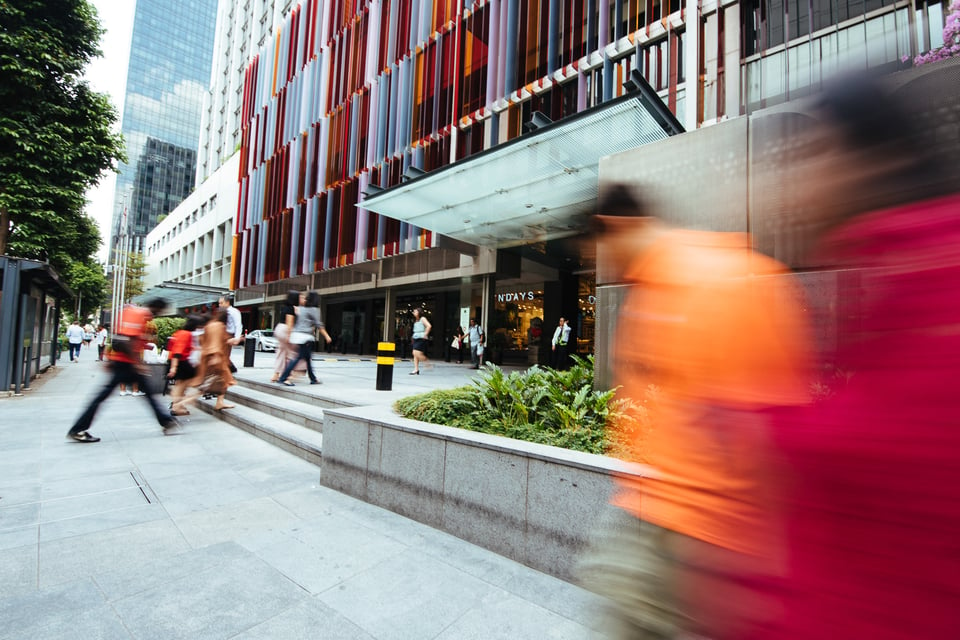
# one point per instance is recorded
(385, 366)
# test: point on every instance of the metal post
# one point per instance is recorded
(385, 366)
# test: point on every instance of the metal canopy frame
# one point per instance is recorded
(534, 188)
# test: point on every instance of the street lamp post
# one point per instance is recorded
(120, 271)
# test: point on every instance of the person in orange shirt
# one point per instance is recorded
(125, 357)
(719, 329)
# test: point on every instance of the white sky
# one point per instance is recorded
(109, 75)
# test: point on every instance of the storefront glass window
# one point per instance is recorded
(585, 326)
(518, 320)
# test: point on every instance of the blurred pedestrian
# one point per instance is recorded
(286, 352)
(475, 338)
(234, 328)
(100, 339)
(307, 320)
(718, 329)
(181, 368)
(214, 376)
(88, 335)
(874, 544)
(75, 340)
(457, 345)
(421, 333)
(126, 368)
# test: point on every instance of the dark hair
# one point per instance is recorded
(194, 322)
(418, 311)
(879, 126)
(227, 298)
(218, 314)
(156, 305)
(619, 199)
(293, 298)
(313, 299)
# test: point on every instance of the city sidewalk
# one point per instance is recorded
(213, 533)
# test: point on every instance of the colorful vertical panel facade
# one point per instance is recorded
(353, 95)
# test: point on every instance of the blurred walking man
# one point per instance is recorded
(125, 368)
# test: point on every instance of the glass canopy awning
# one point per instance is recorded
(533, 188)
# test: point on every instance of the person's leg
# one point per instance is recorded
(163, 416)
(306, 354)
(290, 365)
(117, 374)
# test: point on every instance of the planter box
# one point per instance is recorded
(532, 503)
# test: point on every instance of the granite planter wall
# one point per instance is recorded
(533, 503)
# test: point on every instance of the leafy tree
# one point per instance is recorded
(89, 283)
(136, 270)
(55, 133)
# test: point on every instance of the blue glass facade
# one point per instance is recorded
(170, 58)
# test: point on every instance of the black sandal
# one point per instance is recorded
(83, 436)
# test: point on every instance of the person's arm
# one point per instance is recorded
(426, 327)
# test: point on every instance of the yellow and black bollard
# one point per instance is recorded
(385, 366)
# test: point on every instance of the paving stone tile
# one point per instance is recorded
(234, 521)
(155, 572)
(124, 548)
(30, 611)
(18, 570)
(92, 504)
(409, 597)
(96, 522)
(19, 536)
(504, 616)
(308, 620)
(320, 553)
(19, 515)
(219, 602)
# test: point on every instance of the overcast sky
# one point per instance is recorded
(109, 75)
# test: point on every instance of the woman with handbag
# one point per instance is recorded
(457, 344)
(307, 319)
(287, 352)
(213, 374)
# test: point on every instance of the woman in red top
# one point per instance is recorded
(181, 370)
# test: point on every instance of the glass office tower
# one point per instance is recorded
(170, 59)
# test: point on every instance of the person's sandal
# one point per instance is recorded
(83, 436)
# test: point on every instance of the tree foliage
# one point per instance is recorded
(136, 270)
(90, 285)
(56, 136)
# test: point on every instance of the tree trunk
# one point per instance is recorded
(4, 228)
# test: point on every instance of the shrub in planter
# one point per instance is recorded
(559, 408)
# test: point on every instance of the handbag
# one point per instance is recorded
(466, 340)
(456, 343)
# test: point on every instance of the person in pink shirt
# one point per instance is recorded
(874, 535)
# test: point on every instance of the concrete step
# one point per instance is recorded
(303, 392)
(296, 439)
(289, 407)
